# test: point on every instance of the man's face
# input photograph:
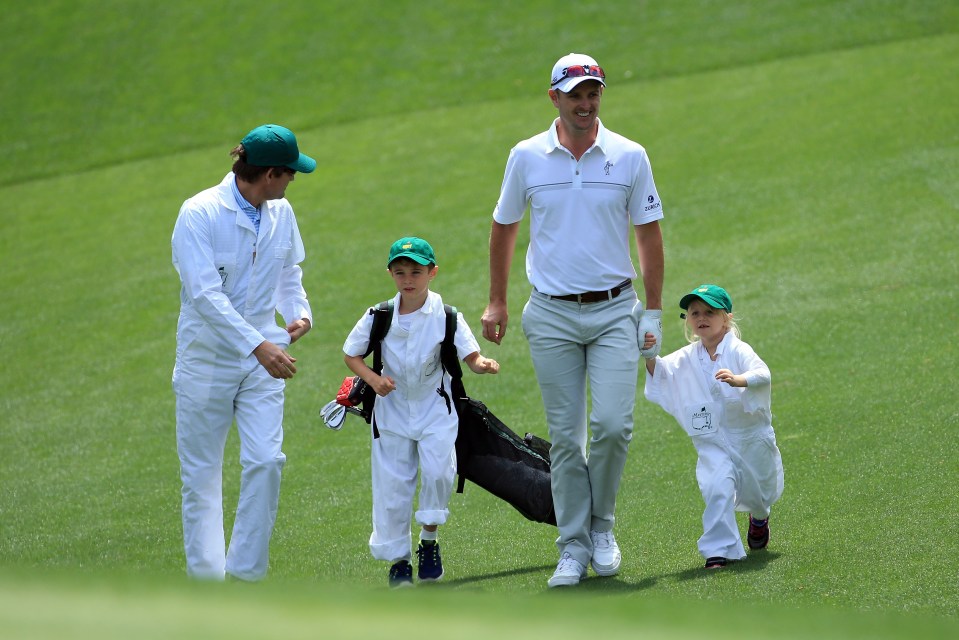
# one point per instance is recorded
(278, 181)
(579, 108)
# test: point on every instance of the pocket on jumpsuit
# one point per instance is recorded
(282, 250)
(428, 368)
(226, 268)
(195, 359)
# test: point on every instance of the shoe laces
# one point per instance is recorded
(568, 564)
(401, 569)
(428, 552)
(603, 540)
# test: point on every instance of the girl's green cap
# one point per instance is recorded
(713, 295)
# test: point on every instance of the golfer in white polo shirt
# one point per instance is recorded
(585, 188)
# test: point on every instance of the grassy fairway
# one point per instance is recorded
(806, 153)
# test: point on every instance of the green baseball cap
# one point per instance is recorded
(271, 145)
(713, 295)
(416, 249)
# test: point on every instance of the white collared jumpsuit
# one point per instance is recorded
(233, 284)
(739, 467)
(417, 428)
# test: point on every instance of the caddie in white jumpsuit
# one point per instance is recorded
(237, 249)
(588, 190)
(416, 427)
(739, 467)
(415, 421)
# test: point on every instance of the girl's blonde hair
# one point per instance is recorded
(728, 321)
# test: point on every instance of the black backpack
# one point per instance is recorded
(488, 453)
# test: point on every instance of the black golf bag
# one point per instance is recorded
(488, 453)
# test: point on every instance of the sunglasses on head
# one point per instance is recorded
(578, 71)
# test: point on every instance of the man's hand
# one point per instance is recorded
(651, 322)
(275, 360)
(494, 321)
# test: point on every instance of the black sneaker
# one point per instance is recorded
(716, 562)
(430, 562)
(758, 535)
(401, 574)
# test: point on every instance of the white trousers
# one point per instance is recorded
(394, 461)
(211, 391)
(572, 344)
(738, 470)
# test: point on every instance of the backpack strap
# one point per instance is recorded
(382, 318)
(448, 349)
(451, 363)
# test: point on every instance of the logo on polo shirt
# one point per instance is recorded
(607, 167)
(651, 206)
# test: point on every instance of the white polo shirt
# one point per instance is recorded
(581, 212)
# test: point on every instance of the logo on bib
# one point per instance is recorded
(702, 420)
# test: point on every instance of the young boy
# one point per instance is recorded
(415, 419)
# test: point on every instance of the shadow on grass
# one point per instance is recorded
(756, 561)
(459, 582)
(616, 584)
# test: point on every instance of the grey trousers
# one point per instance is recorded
(573, 344)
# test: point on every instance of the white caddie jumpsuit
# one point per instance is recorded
(739, 467)
(234, 281)
(417, 429)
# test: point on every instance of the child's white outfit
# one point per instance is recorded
(416, 425)
(739, 466)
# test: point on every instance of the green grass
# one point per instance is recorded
(121, 609)
(806, 153)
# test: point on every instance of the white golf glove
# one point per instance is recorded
(650, 322)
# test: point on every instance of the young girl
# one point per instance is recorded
(718, 390)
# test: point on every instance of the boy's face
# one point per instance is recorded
(412, 279)
(706, 322)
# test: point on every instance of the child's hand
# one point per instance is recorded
(649, 342)
(480, 364)
(730, 378)
(383, 385)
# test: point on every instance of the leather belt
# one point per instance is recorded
(595, 296)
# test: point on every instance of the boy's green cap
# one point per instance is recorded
(416, 249)
(271, 145)
(713, 295)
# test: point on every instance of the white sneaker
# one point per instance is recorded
(568, 573)
(606, 556)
